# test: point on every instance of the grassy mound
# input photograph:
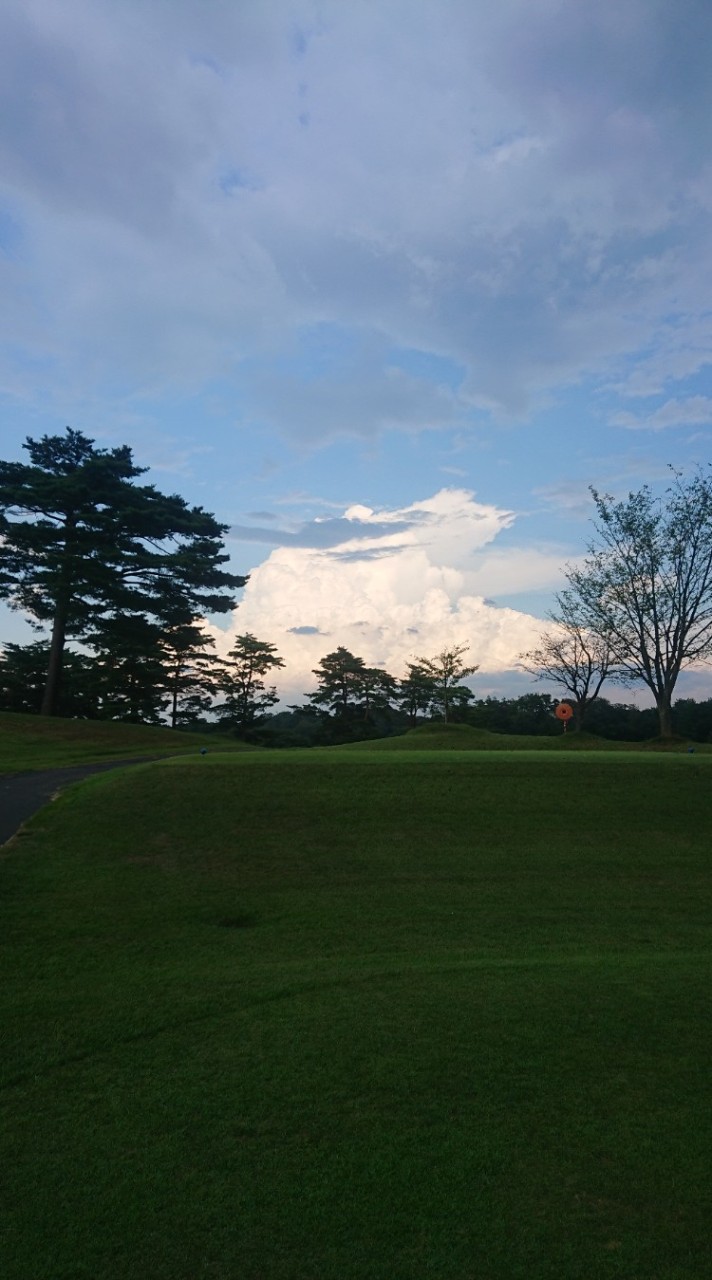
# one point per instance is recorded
(463, 737)
(46, 742)
(311, 1016)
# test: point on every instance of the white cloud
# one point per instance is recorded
(517, 187)
(391, 597)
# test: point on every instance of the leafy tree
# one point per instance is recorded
(137, 672)
(130, 669)
(340, 682)
(375, 692)
(299, 726)
(241, 680)
(23, 673)
(446, 670)
(460, 701)
(646, 587)
(190, 674)
(694, 719)
(416, 692)
(353, 701)
(150, 667)
(621, 721)
(531, 713)
(80, 541)
(572, 656)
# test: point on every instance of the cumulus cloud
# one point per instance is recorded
(400, 584)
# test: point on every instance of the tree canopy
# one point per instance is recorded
(83, 543)
(446, 670)
(241, 680)
(416, 692)
(571, 656)
(350, 690)
(645, 588)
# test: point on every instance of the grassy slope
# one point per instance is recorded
(312, 1017)
(48, 742)
(462, 737)
(42, 742)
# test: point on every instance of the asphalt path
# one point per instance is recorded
(22, 794)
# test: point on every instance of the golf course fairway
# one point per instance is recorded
(361, 1015)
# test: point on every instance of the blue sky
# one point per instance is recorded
(386, 286)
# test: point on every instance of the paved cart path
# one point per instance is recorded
(22, 794)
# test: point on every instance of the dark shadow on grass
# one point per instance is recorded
(237, 922)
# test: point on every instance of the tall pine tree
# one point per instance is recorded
(81, 541)
(247, 699)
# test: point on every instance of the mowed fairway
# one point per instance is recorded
(348, 1016)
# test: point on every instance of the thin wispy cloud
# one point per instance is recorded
(694, 411)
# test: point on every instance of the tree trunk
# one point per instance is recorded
(56, 653)
(59, 624)
(665, 715)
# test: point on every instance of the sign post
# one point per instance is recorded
(564, 712)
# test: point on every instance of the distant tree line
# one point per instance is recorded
(529, 714)
(149, 676)
(129, 573)
(193, 688)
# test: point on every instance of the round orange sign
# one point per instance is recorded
(564, 711)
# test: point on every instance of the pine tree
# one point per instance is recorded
(241, 680)
(340, 683)
(80, 542)
(446, 670)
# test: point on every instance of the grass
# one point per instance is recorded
(326, 1015)
(49, 742)
(463, 737)
(46, 742)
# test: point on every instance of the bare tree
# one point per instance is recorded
(571, 656)
(646, 587)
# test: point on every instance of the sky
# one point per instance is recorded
(385, 286)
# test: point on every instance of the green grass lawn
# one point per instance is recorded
(29, 742)
(50, 742)
(344, 1016)
(464, 737)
